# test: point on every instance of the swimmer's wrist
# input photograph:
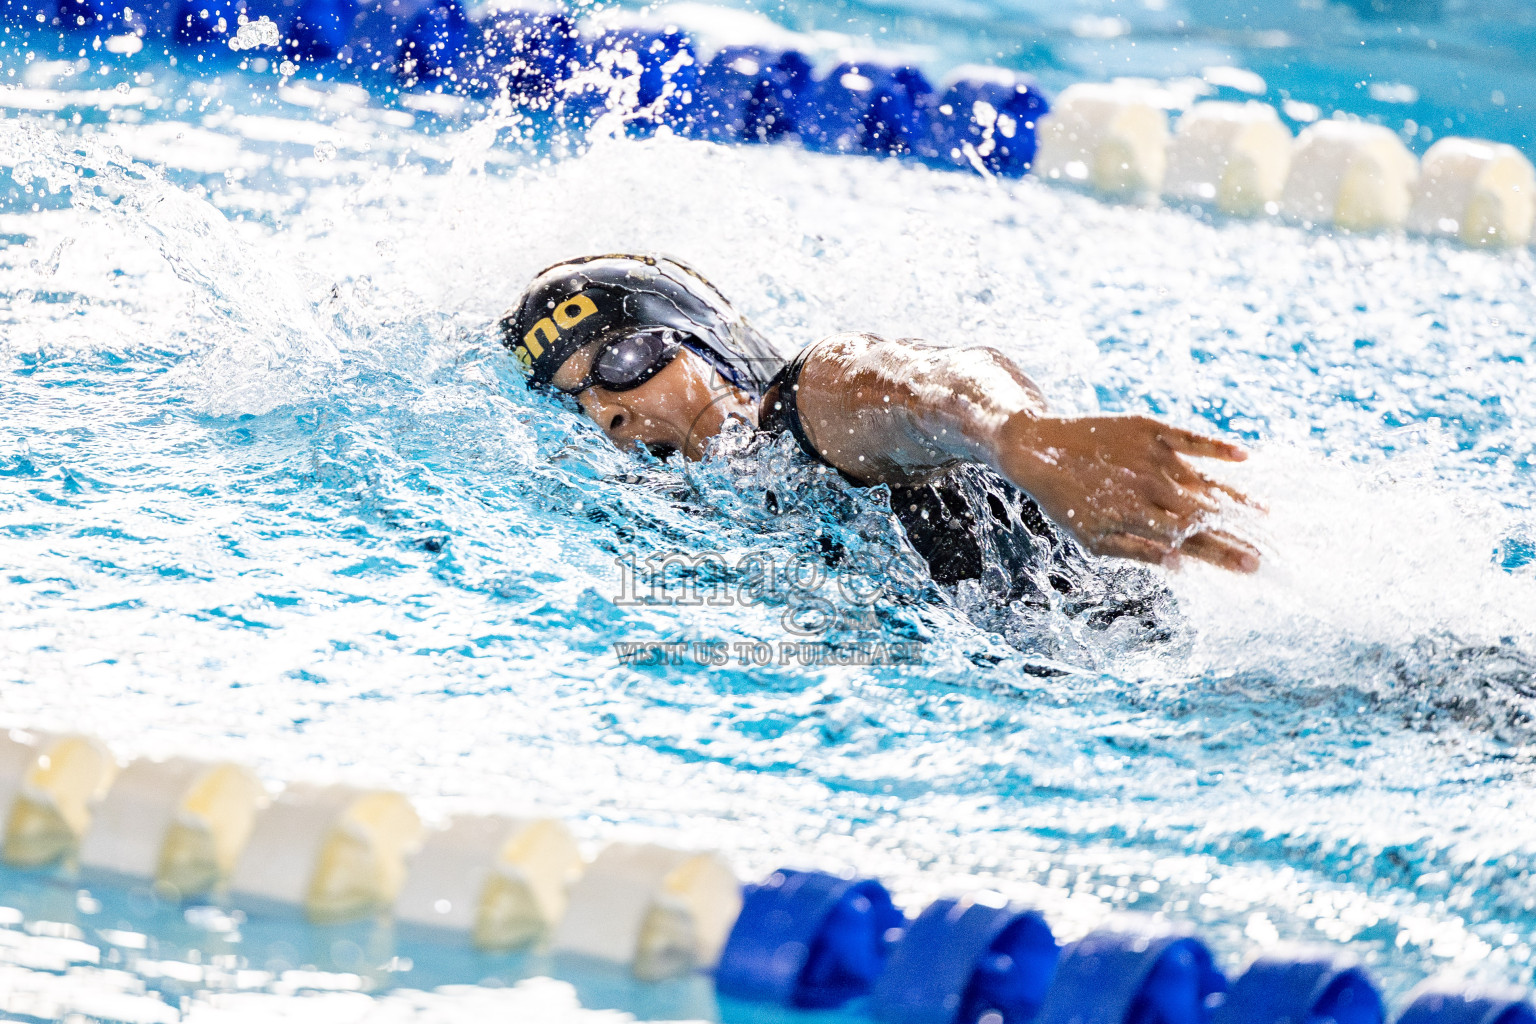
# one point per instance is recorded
(1015, 443)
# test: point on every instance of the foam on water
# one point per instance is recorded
(269, 487)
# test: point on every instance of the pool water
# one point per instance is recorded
(271, 490)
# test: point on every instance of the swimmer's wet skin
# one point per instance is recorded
(656, 356)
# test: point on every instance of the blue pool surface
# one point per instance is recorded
(271, 490)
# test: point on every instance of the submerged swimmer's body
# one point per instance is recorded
(980, 473)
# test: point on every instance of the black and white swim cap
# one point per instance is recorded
(582, 300)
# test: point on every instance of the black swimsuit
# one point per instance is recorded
(971, 524)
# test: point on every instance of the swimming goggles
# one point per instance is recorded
(627, 361)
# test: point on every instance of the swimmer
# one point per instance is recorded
(975, 463)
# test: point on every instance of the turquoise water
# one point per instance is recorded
(270, 490)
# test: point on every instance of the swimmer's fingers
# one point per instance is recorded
(1147, 505)
(1191, 480)
(1223, 550)
(1214, 546)
(1238, 496)
(1187, 442)
(1207, 485)
(1185, 502)
(1147, 519)
(1128, 545)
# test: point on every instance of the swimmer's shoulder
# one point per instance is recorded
(834, 348)
(779, 411)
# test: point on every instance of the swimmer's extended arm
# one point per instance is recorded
(897, 412)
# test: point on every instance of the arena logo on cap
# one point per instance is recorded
(567, 315)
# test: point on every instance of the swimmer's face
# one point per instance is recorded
(680, 408)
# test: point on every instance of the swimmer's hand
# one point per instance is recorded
(1122, 485)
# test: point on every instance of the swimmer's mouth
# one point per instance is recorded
(661, 450)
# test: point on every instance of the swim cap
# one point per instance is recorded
(579, 301)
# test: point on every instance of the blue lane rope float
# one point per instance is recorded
(320, 30)
(93, 13)
(870, 107)
(808, 939)
(200, 23)
(437, 43)
(1469, 1007)
(1139, 975)
(387, 37)
(965, 960)
(1323, 987)
(751, 94)
(989, 115)
(666, 81)
(534, 49)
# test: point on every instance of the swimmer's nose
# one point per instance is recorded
(600, 411)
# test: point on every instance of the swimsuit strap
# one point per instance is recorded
(780, 409)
